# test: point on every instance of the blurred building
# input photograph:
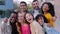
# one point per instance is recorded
(5, 7)
(6, 4)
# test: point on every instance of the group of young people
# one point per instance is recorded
(35, 21)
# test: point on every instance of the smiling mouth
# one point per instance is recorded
(29, 19)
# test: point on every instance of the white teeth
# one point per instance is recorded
(29, 19)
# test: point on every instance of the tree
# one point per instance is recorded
(16, 6)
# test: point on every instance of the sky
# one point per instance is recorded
(27, 1)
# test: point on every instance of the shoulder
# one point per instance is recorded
(35, 23)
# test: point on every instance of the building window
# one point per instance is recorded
(2, 2)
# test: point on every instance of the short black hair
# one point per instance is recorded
(40, 15)
(34, 0)
(23, 2)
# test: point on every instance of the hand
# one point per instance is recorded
(54, 18)
(49, 25)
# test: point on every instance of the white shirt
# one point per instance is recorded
(36, 12)
(5, 29)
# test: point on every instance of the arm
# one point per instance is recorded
(2, 28)
(54, 18)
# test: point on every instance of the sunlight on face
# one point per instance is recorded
(29, 17)
(20, 17)
(35, 4)
(45, 7)
(41, 20)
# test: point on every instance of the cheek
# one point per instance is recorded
(25, 7)
(32, 17)
(44, 7)
(12, 20)
(36, 4)
(18, 18)
(33, 5)
(40, 20)
(47, 8)
(27, 18)
(22, 7)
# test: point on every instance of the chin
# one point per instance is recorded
(29, 21)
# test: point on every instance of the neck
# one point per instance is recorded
(22, 23)
(45, 12)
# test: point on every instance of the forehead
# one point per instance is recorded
(28, 14)
(22, 4)
(41, 17)
(45, 5)
(20, 14)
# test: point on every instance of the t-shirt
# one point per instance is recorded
(36, 12)
(49, 18)
(26, 29)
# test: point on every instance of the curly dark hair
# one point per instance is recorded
(51, 8)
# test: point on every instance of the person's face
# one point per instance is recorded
(41, 20)
(35, 5)
(20, 17)
(5, 20)
(29, 17)
(13, 18)
(23, 7)
(45, 7)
